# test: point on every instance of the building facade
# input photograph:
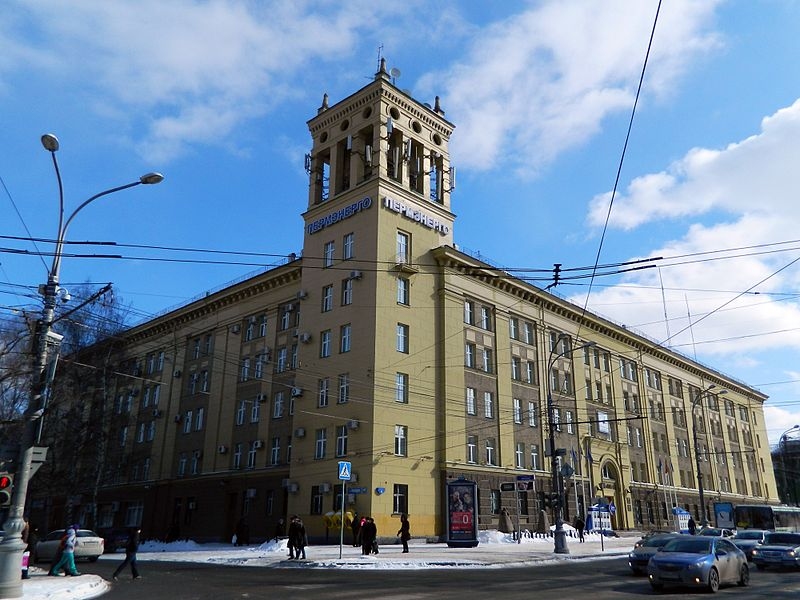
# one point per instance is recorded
(386, 346)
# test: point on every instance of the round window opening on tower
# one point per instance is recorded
(437, 139)
(394, 113)
(324, 137)
(416, 127)
(345, 124)
(367, 112)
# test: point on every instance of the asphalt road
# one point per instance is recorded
(579, 579)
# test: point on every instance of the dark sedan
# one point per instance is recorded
(780, 549)
(698, 561)
(644, 550)
(747, 539)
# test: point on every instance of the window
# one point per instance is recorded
(403, 248)
(486, 318)
(471, 401)
(250, 329)
(316, 500)
(400, 499)
(488, 363)
(182, 464)
(262, 327)
(348, 246)
(255, 411)
(187, 422)
(472, 449)
(251, 455)
(488, 405)
(344, 388)
(193, 383)
(495, 501)
(327, 298)
(469, 355)
(151, 431)
(325, 344)
(347, 291)
(469, 312)
(275, 451)
(323, 387)
(532, 414)
(341, 440)
(517, 410)
(321, 443)
(528, 336)
(198, 420)
(240, 411)
(344, 338)
(237, 456)
(204, 380)
(278, 405)
(513, 328)
(516, 368)
(280, 364)
(401, 440)
(534, 457)
(140, 433)
(401, 388)
(403, 289)
(328, 252)
(245, 369)
(568, 418)
(557, 419)
(156, 394)
(402, 338)
(490, 455)
(530, 372)
(519, 456)
(196, 349)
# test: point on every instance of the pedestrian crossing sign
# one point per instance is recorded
(344, 470)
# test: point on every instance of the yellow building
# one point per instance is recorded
(386, 347)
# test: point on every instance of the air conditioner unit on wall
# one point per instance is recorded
(261, 398)
(300, 432)
(324, 487)
(356, 274)
(297, 392)
(353, 424)
(258, 444)
(156, 413)
(302, 295)
(222, 449)
(251, 492)
(176, 373)
(177, 418)
(192, 505)
(115, 506)
(353, 477)
(236, 328)
(293, 487)
(285, 483)
(304, 337)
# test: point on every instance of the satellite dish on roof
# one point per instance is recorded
(395, 73)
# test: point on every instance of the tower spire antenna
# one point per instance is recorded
(380, 56)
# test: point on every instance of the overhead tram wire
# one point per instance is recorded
(622, 155)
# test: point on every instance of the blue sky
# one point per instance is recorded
(216, 95)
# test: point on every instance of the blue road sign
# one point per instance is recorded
(526, 477)
(357, 490)
(344, 470)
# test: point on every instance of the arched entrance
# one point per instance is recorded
(609, 491)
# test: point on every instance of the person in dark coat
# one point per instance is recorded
(692, 526)
(280, 529)
(580, 525)
(405, 531)
(301, 539)
(131, 548)
(369, 536)
(292, 533)
(355, 527)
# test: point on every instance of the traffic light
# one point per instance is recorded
(6, 485)
(555, 501)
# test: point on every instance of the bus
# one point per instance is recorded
(765, 516)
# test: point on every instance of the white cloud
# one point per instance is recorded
(541, 82)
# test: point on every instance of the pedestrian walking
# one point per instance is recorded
(131, 548)
(355, 526)
(692, 526)
(292, 533)
(280, 529)
(301, 539)
(67, 561)
(405, 531)
(580, 525)
(369, 537)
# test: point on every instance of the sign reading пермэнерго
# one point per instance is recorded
(414, 214)
(339, 215)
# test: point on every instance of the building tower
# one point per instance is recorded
(380, 184)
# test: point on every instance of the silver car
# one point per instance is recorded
(747, 539)
(699, 561)
(89, 545)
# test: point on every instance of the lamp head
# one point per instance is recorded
(50, 142)
(151, 178)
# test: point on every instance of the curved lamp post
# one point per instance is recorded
(559, 535)
(695, 402)
(782, 445)
(12, 547)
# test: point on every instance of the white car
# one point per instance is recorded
(89, 545)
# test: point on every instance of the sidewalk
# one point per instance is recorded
(495, 551)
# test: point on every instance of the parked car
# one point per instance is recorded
(115, 538)
(780, 549)
(747, 539)
(700, 561)
(644, 550)
(716, 532)
(89, 545)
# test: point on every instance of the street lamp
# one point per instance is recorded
(783, 461)
(698, 398)
(12, 547)
(559, 535)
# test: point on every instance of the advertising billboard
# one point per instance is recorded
(462, 513)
